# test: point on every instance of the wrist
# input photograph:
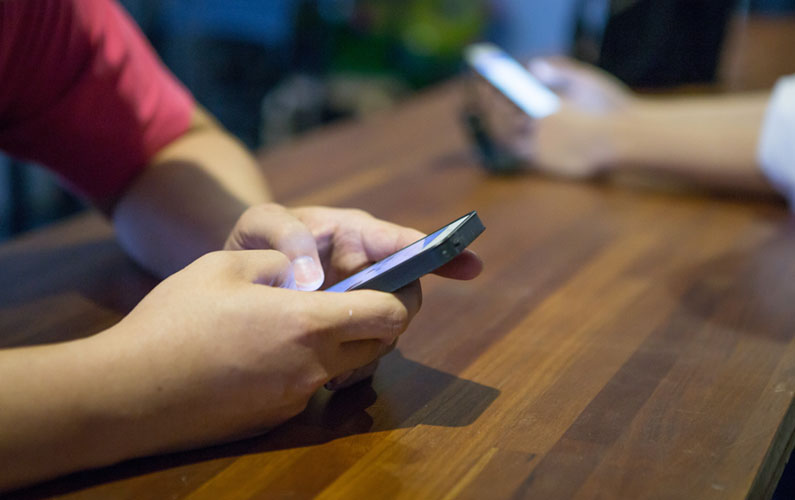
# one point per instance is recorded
(64, 407)
(628, 132)
(111, 411)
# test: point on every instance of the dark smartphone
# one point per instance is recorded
(420, 258)
(485, 123)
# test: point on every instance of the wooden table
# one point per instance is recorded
(620, 343)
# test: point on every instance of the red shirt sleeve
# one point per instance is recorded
(82, 92)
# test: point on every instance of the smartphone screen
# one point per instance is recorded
(425, 244)
(512, 79)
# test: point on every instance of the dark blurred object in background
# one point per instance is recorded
(359, 55)
(662, 43)
(771, 6)
(228, 53)
(30, 198)
(665, 43)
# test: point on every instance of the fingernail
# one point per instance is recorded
(307, 273)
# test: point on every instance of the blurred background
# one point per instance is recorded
(271, 70)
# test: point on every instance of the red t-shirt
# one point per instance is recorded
(82, 92)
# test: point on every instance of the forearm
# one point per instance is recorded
(55, 404)
(188, 199)
(712, 140)
(107, 398)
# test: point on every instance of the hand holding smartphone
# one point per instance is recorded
(420, 258)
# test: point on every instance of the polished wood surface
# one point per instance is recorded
(757, 51)
(620, 343)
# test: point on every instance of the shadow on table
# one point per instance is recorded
(746, 292)
(403, 394)
(81, 288)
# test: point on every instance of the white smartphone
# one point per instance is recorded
(421, 257)
(509, 77)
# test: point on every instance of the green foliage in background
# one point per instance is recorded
(418, 41)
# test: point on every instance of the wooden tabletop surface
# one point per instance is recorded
(621, 343)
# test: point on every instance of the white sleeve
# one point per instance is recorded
(776, 153)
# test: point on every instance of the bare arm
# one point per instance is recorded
(188, 199)
(709, 140)
(217, 351)
(205, 192)
(603, 127)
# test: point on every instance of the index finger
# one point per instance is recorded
(272, 226)
(389, 238)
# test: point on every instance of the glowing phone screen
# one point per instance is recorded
(513, 80)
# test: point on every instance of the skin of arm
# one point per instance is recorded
(711, 141)
(205, 192)
(603, 127)
(218, 351)
(187, 200)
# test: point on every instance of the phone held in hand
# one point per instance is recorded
(420, 258)
(511, 79)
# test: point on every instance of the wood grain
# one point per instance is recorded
(619, 344)
(757, 52)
